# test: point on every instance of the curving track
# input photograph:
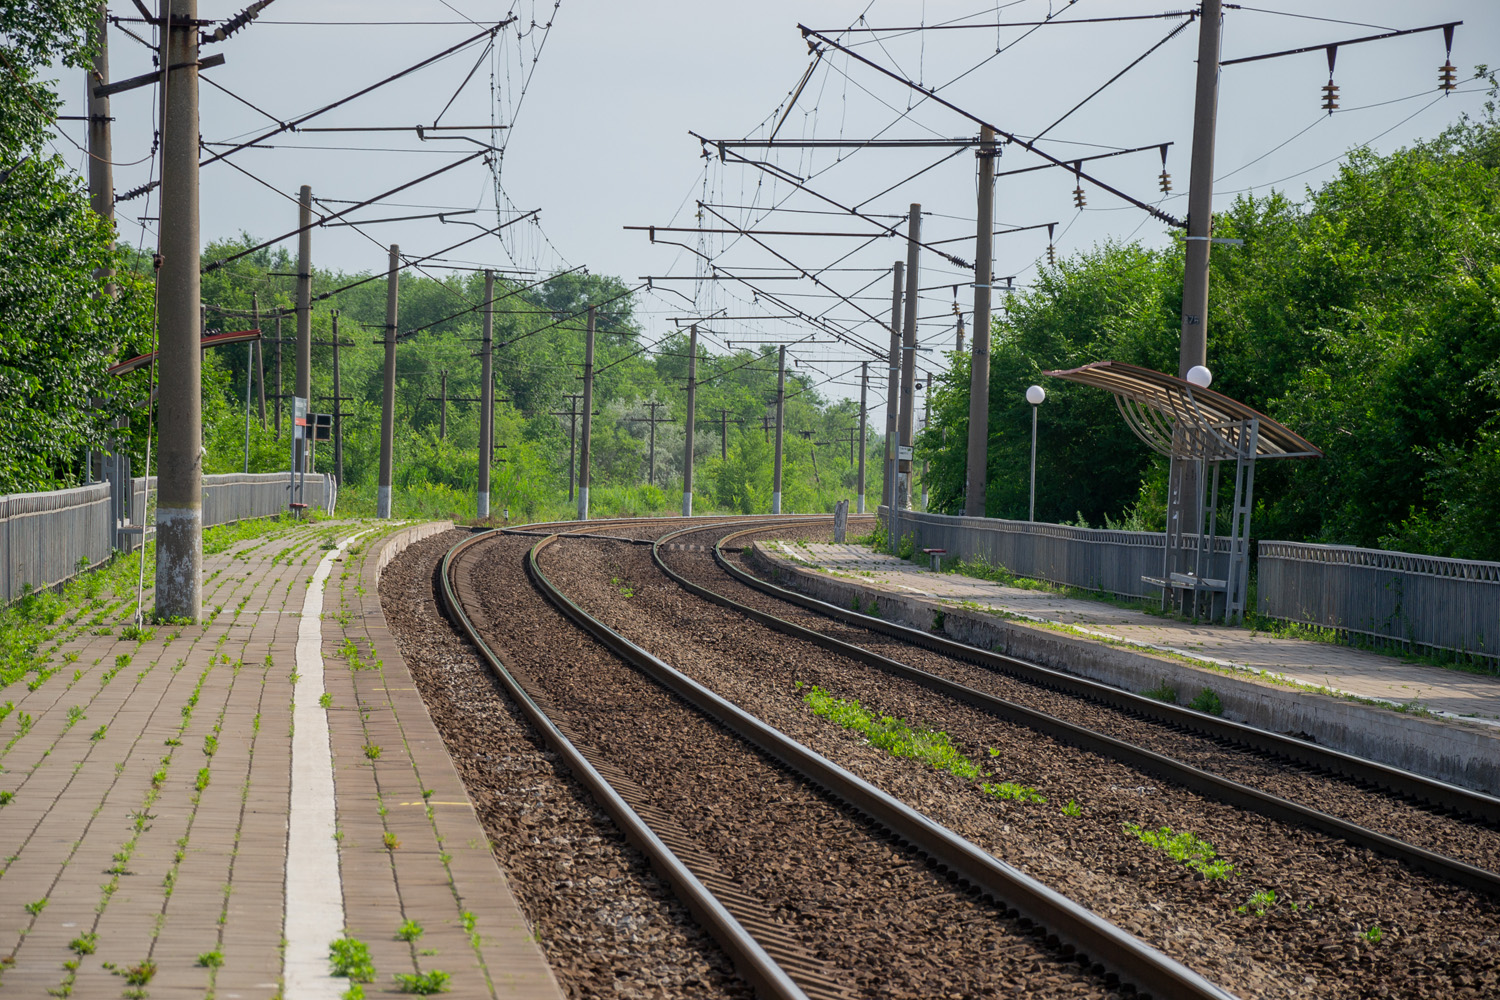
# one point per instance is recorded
(764, 926)
(801, 920)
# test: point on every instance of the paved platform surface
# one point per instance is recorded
(1342, 669)
(161, 790)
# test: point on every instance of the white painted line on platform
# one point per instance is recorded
(314, 890)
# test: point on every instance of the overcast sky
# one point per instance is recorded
(601, 102)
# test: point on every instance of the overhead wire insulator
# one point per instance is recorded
(235, 23)
(1447, 74)
(1078, 196)
(1330, 89)
(1166, 179)
(1051, 250)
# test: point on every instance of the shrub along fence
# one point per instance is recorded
(1416, 601)
(46, 538)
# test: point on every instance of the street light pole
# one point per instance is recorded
(1034, 395)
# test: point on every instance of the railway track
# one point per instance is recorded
(1069, 948)
(1439, 795)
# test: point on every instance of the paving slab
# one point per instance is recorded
(152, 782)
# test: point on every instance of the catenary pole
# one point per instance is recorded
(864, 392)
(692, 422)
(979, 368)
(588, 417)
(1184, 489)
(279, 393)
(304, 310)
(388, 398)
(909, 352)
(338, 406)
(892, 398)
(486, 394)
(179, 415)
(780, 421)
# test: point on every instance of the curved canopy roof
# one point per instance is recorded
(1176, 418)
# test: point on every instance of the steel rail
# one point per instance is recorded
(1229, 792)
(767, 978)
(1101, 942)
(1431, 791)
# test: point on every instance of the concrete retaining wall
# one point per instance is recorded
(1461, 753)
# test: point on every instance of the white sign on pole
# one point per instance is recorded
(906, 452)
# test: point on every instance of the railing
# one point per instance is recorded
(1101, 559)
(236, 496)
(1415, 600)
(45, 537)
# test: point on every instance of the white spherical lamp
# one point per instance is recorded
(1035, 395)
(1200, 376)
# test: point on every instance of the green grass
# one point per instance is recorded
(1259, 903)
(1162, 692)
(1207, 701)
(893, 735)
(1184, 847)
(409, 931)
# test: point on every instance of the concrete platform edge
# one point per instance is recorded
(1455, 752)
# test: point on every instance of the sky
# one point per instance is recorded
(599, 98)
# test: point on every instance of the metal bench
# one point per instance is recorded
(937, 557)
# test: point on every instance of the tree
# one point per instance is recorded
(58, 331)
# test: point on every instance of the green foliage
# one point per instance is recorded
(409, 930)
(1366, 318)
(893, 735)
(1208, 702)
(1072, 810)
(1010, 791)
(1374, 935)
(1185, 847)
(350, 958)
(423, 983)
(1259, 903)
(211, 959)
(1162, 692)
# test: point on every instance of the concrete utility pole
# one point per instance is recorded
(179, 414)
(909, 350)
(572, 414)
(977, 476)
(280, 395)
(338, 398)
(442, 400)
(588, 418)
(926, 420)
(1183, 489)
(724, 423)
(388, 399)
(864, 391)
(1194, 344)
(260, 355)
(338, 406)
(780, 424)
(653, 420)
(692, 422)
(101, 168)
(304, 308)
(892, 395)
(487, 394)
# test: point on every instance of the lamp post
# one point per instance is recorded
(1200, 376)
(1034, 395)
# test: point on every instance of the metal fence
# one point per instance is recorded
(1100, 559)
(45, 537)
(1422, 601)
(235, 496)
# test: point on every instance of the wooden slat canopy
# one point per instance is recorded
(212, 340)
(1178, 419)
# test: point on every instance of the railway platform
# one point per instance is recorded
(200, 810)
(1323, 690)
